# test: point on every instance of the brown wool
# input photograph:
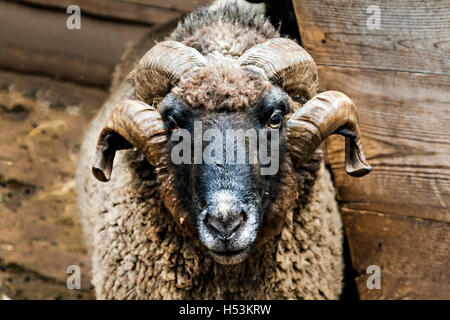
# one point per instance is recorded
(132, 223)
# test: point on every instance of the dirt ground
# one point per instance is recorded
(41, 126)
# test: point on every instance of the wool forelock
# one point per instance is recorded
(222, 86)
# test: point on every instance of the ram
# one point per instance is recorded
(217, 230)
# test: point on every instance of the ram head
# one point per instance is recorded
(183, 96)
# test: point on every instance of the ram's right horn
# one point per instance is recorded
(132, 123)
(163, 66)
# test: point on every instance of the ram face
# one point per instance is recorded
(226, 134)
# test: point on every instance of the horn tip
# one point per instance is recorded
(99, 174)
(360, 171)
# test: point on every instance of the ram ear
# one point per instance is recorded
(132, 124)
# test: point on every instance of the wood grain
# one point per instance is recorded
(136, 51)
(405, 123)
(142, 11)
(38, 41)
(398, 287)
(412, 253)
(413, 36)
(184, 6)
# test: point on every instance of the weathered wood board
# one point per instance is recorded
(405, 122)
(412, 253)
(398, 216)
(142, 11)
(38, 41)
(413, 36)
(398, 75)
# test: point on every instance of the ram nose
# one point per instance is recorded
(225, 224)
(224, 215)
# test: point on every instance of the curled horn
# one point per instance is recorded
(288, 65)
(163, 66)
(133, 123)
(327, 113)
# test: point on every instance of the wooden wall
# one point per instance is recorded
(34, 37)
(141, 11)
(398, 216)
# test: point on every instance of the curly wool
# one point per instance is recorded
(131, 222)
(230, 30)
(139, 252)
(222, 87)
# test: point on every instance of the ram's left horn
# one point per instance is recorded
(285, 64)
(327, 113)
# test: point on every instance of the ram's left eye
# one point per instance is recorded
(275, 121)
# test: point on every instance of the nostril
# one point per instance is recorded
(244, 216)
(215, 224)
(225, 227)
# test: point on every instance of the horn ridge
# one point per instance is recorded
(285, 63)
(328, 113)
(132, 123)
(163, 66)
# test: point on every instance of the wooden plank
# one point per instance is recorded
(38, 41)
(142, 11)
(403, 288)
(412, 253)
(184, 6)
(406, 134)
(413, 36)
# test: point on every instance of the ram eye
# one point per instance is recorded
(275, 121)
(171, 123)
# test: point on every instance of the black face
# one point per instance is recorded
(223, 181)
